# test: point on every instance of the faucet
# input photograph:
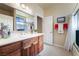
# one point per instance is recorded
(32, 27)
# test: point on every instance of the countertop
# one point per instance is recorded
(18, 37)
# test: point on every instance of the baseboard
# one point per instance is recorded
(58, 45)
(54, 45)
(48, 44)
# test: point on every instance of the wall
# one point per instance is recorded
(7, 20)
(59, 39)
(6, 16)
(36, 10)
(56, 11)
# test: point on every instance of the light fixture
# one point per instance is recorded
(28, 10)
(23, 6)
(18, 4)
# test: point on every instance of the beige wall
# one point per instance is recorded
(56, 11)
(59, 39)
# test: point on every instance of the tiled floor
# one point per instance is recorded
(54, 51)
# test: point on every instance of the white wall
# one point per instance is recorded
(36, 10)
(7, 20)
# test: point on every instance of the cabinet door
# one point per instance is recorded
(40, 43)
(27, 51)
(15, 53)
(35, 45)
(27, 47)
(34, 48)
(4, 50)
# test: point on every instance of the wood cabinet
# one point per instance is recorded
(27, 47)
(35, 46)
(10, 49)
(40, 48)
(15, 53)
(30, 47)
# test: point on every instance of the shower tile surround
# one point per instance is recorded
(7, 21)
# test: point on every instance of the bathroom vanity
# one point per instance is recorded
(19, 44)
(26, 45)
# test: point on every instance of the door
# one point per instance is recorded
(39, 24)
(48, 30)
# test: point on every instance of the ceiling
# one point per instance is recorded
(58, 8)
(51, 5)
(45, 5)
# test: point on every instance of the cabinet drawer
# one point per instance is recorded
(35, 39)
(15, 53)
(27, 42)
(10, 48)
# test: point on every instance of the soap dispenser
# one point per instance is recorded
(9, 32)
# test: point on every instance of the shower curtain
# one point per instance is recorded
(70, 38)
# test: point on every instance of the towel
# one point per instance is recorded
(60, 28)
